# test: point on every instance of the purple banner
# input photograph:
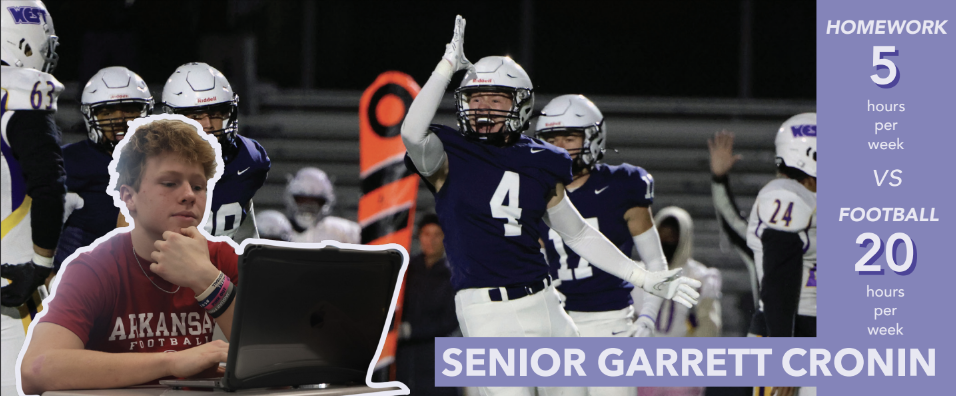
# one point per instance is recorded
(885, 103)
(680, 362)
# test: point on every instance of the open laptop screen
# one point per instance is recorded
(306, 316)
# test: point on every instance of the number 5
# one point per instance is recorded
(894, 77)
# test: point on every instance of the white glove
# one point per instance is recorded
(645, 326)
(455, 50)
(72, 201)
(668, 284)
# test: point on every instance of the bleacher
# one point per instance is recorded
(666, 136)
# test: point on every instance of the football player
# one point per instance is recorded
(751, 248)
(32, 171)
(200, 92)
(309, 199)
(492, 187)
(112, 97)
(614, 199)
(782, 232)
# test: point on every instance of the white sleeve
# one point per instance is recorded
(648, 246)
(589, 243)
(247, 229)
(424, 148)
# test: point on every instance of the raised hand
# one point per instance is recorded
(722, 156)
(455, 50)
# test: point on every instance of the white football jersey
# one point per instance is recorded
(331, 228)
(23, 90)
(786, 205)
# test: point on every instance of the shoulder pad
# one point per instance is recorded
(256, 152)
(781, 205)
(29, 89)
(639, 182)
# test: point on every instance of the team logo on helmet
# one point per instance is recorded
(804, 130)
(27, 15)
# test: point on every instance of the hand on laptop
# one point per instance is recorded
(197, 359)
(183, 259)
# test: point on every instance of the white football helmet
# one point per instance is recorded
(198, 87)
(28, 37)
(309, 197)
(496, 74)
(575, 113)
(797, 143)
(273, 225)
(115, 85)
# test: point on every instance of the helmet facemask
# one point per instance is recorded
(310, 210)
(48, 52)
(116, 126)
(227, 112)
(512, 121)
(592, 145)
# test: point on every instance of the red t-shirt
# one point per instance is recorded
(105, 298)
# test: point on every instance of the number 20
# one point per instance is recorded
(866, 263)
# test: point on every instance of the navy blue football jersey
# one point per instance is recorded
(240, 180)
(602, 200)
(87, 174)
(490, 205)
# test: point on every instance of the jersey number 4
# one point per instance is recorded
(509, 187)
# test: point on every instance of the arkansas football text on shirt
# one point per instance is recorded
(105, 298)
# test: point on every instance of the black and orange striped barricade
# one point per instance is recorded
(386, 210)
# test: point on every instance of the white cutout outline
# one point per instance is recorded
(111, 190)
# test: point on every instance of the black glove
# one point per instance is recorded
(24, 280)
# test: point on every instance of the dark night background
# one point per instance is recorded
(656, 48)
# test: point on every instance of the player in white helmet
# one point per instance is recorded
(200, 92)
(309, 199)
(32, 172)
(782, 233)
(492, 187)
(615, 200)
(112, 97)
(790, 291)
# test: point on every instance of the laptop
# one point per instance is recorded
(306, 316)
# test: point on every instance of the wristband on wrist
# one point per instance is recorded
(42, 261)
(217, 297)
(212, 288)
(220, 308)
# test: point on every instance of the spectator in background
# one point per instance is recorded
(674, 320)
(273, 225)
(428, 311)
(309, 199)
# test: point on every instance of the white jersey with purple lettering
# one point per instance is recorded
(786, 205)
(331, 228)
